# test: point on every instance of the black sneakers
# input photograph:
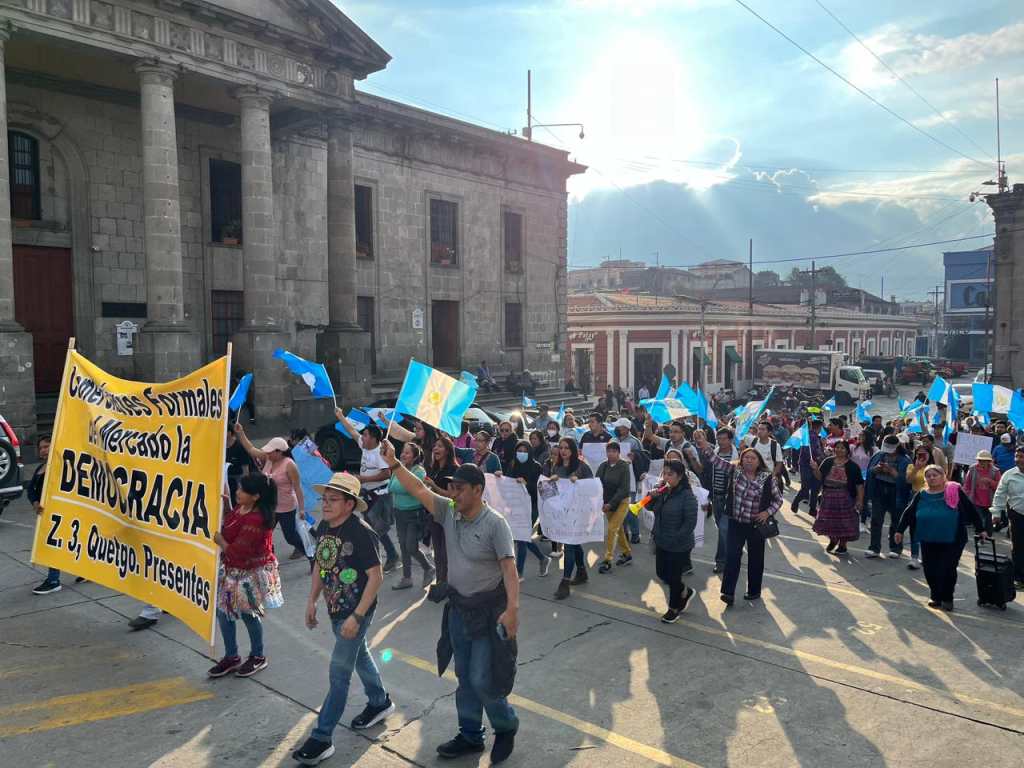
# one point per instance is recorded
(313, 752)
(371, 715)
(460, 746)
(47, 587)
(671, 616)
(624, 560)
(502, 748)
(687, 596)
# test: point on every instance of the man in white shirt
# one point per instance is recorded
(769, 448)
(1010, 494)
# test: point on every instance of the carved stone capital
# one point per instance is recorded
(256, 98)
(156, 72)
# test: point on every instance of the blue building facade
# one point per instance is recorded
(968, 295)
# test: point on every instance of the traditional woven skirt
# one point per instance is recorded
(837, 516)
(249, 590)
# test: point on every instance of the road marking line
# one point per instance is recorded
(106, 704)
(655, 755)
(816, 659)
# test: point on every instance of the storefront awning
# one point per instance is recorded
(732, 356)
(700, 358)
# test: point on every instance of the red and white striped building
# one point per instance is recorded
(627, 340)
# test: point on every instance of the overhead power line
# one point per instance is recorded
(895, 74)
(857, 88)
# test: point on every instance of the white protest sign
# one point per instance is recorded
(653, 476)
(572, 514)
(594, 454)
(509, 497)
(967, 447)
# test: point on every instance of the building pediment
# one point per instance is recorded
(305, 50)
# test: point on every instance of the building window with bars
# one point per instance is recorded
(444, 222)
(513, 325)
(512, 224)
(364, 222)
(23, 157)
(227, 312)
(225, 202)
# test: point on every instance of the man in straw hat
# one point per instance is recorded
(482, 614)
(980, 483)
(348, 573)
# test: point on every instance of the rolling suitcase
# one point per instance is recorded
(994, 574)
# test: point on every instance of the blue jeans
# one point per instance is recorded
(348, 655)
(885, 501)
(573, 557)
(473, 669)
(522, 547)
(722, 522)
(53, 576)
(227, 631)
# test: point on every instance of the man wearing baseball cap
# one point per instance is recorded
(481, 617)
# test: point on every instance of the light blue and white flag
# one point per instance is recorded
(435, 397)
(381, 416)
(1016, 412)
(982, 417)
(750, 413)
(238, 397)
(313, 374)
(663, 388)
(359, 420)
(312, 471)
(799, 439)
(559, 417)
(666, 410)
(829, 405)
(938, 389)
(529, 402)
(991, 398)
(862, 410)
(705, 411)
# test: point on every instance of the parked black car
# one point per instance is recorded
(10, 465)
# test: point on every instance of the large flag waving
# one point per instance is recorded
(663, 388)
(705, 411)
(989, 398)
(435, 397)
(750, 413)
(1016, 411)
(314, 374)
(666, 410)
(800, 438)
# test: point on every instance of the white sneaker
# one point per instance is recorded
(894, 555)
(545, 564)
(914, 564)
(871, 553)
(864, 528)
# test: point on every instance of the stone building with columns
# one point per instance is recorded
(205, 171)
(1008, 287)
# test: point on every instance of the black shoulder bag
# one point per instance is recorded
(769, 528)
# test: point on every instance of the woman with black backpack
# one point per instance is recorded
(753, 500)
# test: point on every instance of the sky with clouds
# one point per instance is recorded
(705, 127)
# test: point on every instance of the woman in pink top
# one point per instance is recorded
(981, 481)
(274, 462)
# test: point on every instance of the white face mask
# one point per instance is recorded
(553, 432)
(522, 456)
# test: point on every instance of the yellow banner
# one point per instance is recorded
(132, 496)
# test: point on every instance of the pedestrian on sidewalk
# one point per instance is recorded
(753, 497)
(481, 618)
(938, 517)
(274, 461)
(34, 494)
(438, 480)
(675, 517)
(809, 457)
(719, 483)
(614, 476)
(842, 497)
(565, 464)
(348, 573)
(248, 583)
(981, 481)
(409, 520)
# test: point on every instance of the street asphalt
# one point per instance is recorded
(840, 665)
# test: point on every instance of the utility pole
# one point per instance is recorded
(988, 324)
(750, 268)
(529, 105)
(1001, 183)
(814, 306)
(939, 291)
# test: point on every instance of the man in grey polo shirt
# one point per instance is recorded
(482, 615)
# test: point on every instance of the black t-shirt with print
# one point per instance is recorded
(344, 554)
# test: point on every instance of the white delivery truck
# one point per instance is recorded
(812, 369)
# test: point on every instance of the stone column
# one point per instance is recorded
(343, 347)
(17, 395)
(168, 345)
(1008, 287)
(263, 330)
